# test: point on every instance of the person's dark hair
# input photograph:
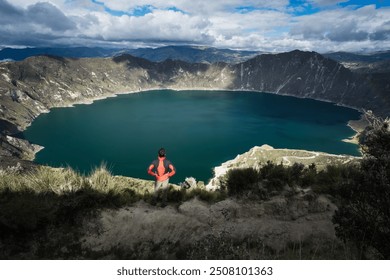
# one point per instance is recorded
(161, 152)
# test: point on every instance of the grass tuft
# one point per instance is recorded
(101, 179)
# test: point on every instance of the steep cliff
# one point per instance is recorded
(307, 75)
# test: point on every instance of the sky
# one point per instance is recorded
(270, 26)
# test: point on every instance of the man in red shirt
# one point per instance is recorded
(162, 169)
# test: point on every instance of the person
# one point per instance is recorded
(162, 169)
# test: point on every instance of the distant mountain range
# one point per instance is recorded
(184, 53)
(363, 58)
(77, 52)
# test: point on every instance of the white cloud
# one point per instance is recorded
(273, 26)
(38, 20)
(158, 26)
(195, 7)
(326, 2)
(246, 27)
(342, 24)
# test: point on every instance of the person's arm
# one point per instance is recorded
(150, 171)
(173, 170)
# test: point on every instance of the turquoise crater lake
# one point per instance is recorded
(199, 129)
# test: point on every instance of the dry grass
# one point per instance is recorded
(60, 181)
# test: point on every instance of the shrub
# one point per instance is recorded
(241, 180)
(127, 196)
(276, 176)
(309, 176)
(174, 195)
(205, 195)
(336, 179)
(269, 179)
(364, 216)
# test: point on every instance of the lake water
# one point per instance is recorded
(199, 129)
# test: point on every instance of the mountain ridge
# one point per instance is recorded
(186, 53)
(176, 52)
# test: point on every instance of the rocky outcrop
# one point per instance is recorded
(259, 156)
(19, 148)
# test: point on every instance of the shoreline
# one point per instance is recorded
(358, 126)
(353, 124)
(112, 95)
(354, 139)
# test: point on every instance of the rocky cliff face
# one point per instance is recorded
(308, 75)
(33, 86)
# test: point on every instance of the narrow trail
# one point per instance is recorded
(288, 162)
